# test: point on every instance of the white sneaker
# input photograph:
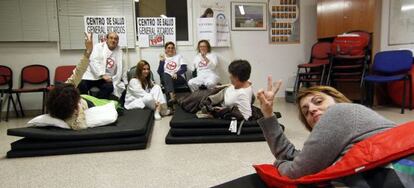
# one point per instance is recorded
(166, 112)
(157, 115)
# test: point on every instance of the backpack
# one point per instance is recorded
(349, 44)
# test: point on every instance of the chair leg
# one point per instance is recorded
(322, 76)
(8, 106)
(363, 93)
(43, 101)
(403, 99)
(296, 85)
(20, 104)
(410, 83)
(370, 94)
(1, 103)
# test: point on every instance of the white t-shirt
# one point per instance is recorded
(173, 64)
(242, 98)
(201, 64)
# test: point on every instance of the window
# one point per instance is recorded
(180, 9)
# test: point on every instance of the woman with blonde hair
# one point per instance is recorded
(143, 92)
(335, 126)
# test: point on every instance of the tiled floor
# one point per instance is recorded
(160, 165)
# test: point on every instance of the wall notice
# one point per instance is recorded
(155, 31)
(99, 26)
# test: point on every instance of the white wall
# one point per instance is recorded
(277, 60)
(384, 30)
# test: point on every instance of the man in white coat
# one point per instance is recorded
(106, 70)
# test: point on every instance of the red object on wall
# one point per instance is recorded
(395, 91)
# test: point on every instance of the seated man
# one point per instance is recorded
(105, 69)
(64, 101)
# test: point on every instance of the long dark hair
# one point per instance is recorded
(145, 81)
(207, 11)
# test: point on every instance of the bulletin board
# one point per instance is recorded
(401, 22)
(284, 21)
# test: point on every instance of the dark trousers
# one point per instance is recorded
(252, 180)
(169, 83)
(105, 88)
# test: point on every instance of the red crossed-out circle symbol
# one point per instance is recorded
(202, 63)
(110, 63)
(171, 65)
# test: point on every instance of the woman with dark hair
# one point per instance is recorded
(64, 101)
(205, 64)
(172, 69)
(143, 92)
(208, 13)
(239, 93)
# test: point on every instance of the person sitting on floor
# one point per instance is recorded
(171, 69)
(64, 100)
(205, 64)
(143, 92)
(239, 94)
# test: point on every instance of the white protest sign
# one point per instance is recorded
(155, 31)
(99, 26)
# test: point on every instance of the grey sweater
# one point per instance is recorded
(337, 131)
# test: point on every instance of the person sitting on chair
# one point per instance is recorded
(143, 92)
(105, 70)
(205, 64)
(171, 69)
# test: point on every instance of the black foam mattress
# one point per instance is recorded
(131, 123)
(183, 119)
(187, 128)
(213, 138)
(129, 132)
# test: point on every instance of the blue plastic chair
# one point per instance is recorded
(390, 66)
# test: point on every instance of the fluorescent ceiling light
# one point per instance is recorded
(137, 1)
(163, 16)
(241, 9)
(407, 7)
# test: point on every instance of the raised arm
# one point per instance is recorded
(279, 145)
(80, 69)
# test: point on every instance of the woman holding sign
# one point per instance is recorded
(205, 64)
(172, 69)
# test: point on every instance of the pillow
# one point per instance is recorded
(47, 120)
(101, 115)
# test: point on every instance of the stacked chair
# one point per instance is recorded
(350, 59)
(315, 71)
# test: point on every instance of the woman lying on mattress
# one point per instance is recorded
(143, 92)
(65, 103)
(336, 125)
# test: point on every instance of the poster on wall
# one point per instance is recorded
(99, 26)
(213, 24)
(284, 22)
(155, 31)
(401, 22)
